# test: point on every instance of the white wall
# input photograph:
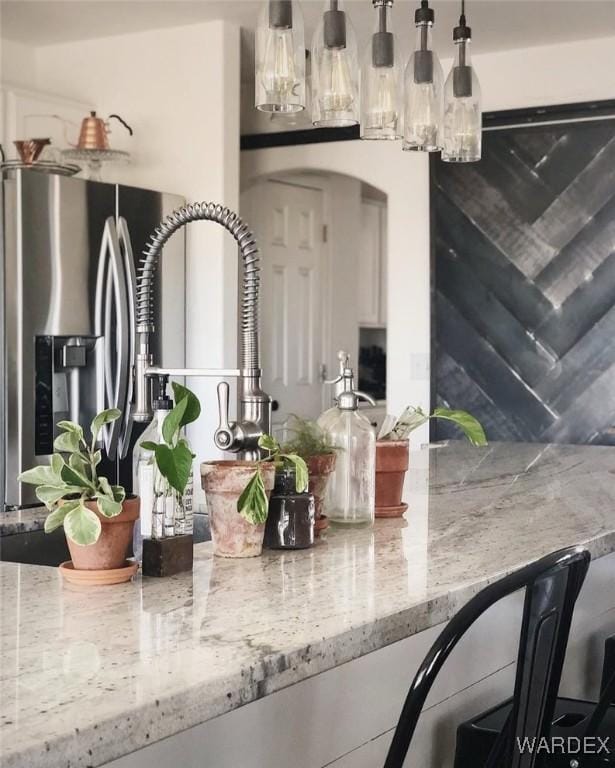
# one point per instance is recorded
(572, 72)
(179, 90)
(17, 63)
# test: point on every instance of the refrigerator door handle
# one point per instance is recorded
(131, 321)
(111, 299)
(102, 310)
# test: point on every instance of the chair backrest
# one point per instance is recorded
(552, 585)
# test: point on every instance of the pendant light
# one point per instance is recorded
(335, 94)
(280, 58)
(462, 130)
(380, 80)
(423, 88)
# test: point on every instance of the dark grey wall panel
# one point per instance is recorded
(524, 284)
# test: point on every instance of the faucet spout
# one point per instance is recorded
(254, 417)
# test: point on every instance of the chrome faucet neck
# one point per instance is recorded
(254, 405)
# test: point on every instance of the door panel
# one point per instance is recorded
(369, 264)
(288, 223)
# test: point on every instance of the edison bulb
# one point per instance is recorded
(335, 71)
(279, 84)
(337, 94)
(423, 117)
(380, 118)
(278, 73)
(462, 131)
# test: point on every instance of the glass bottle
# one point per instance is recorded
(462, 127)
(351, 489)
(280, 58)
(335, 71)
(423, 89)
(187, 502)
(143, 471)
(163, 511)
(290, 520)
(380, 81)
(148, 478)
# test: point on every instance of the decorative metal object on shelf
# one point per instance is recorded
(93, 145)
(29, 151)
(437, 116)
(42, 166)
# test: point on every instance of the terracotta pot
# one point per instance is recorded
(111, 549)
(223, 483)
(320, 468)
(392, 458)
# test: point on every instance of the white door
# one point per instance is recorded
(288, 222)
(370, 257)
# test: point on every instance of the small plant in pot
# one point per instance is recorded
(238, 493)
(392, 452)
(309, 441)
(98, 518)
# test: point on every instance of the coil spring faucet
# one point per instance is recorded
(254, 406)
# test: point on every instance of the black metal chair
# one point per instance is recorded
(581, 733)
(551, 585)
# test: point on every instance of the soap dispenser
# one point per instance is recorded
(351, 489)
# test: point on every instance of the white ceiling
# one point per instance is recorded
(496, 24)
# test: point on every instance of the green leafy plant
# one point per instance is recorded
(412, 418)
(306, 438)
(173, 456)
(252, 504)
(71, 479)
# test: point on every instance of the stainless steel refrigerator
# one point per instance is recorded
(70, 251)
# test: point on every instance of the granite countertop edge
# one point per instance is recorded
(195, 706)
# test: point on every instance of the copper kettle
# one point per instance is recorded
(95, 132)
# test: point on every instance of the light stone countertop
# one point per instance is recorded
(90, 675)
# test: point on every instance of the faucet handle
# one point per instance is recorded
(224, 435)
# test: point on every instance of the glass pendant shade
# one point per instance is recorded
(335, 92)
(280, 58)
(380, 81)
(462, 127)
(423, 94)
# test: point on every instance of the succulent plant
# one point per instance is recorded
(71, 479)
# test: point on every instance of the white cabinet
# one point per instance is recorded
(372, 264)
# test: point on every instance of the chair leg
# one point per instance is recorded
(606, 698)
(608, 665)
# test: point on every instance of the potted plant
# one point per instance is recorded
(173, 463)
(237, 494)
(98, 518)
(392, 452)
(309, 441)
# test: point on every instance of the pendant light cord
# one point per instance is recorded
(462, 18)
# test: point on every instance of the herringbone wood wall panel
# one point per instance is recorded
(524, 284)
